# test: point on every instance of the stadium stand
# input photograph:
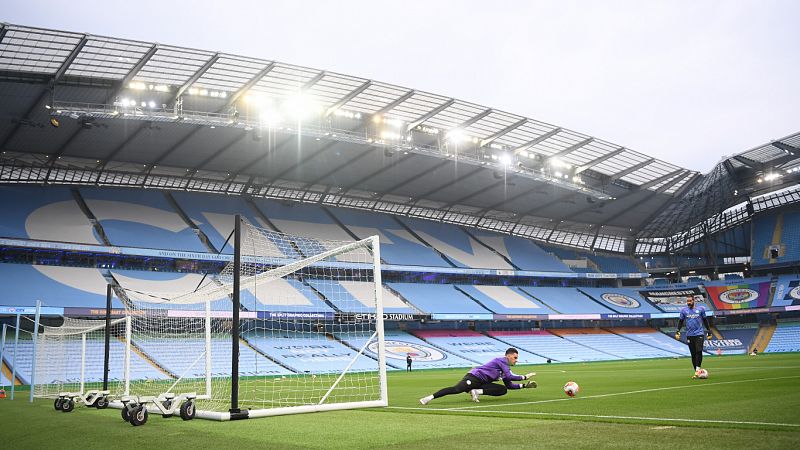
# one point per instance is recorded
(787, 291)
(398, 246)
(185, 358)
(733, 276)
(140, 218)
(550, 346)
(766, 228)
(473, 346)
(623, 300)
(615, 264)
(4, 382)
(785, 339)
(456, 245)
(523, 253)
(304, 220)
(54, 286)
(344, 293)
(424, 354)
(303, 352)
(566, 300)
(614, 345)
(504, 299)
(214, 216)
(653, 338)
(43, 213)
(157, 288)
(295, 296)
(438, 298)
(790, 240)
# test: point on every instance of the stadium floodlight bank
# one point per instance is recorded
(291, 325)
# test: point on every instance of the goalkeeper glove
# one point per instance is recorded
(708, 336)
(528, 385)
(678, 335)
(529, 375)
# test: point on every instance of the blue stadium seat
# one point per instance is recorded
(456, 245)
(140, 218)
(54, 286)
(398, 246)
(437, 298)
(43, 213)
(566, 300)
(523, 253)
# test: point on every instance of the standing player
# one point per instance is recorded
(408, 362)
(695, 318)
(479, 380)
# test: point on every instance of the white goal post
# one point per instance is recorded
(284, 328)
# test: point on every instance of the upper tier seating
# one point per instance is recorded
(505, 299)
(566, 300)
(214, 216)
(522, 253)
(765, 228)
(786, 338)
(550, 346)
(308, 221)
(474, 346)
(54, 286)
(615, 264)
(358, 297)
(157, 289)
(456, 245)
(43, 213)
(437, 298)
(140, 218)
(398, 246)
(623, 300)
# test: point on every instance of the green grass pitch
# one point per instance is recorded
(748, 402)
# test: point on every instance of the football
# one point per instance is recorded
(702, 373)
(571, 388)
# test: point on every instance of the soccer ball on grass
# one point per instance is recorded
(571, 388)
(702, 374)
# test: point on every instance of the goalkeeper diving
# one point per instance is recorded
(481, 380)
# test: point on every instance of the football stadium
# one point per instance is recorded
(218, 250)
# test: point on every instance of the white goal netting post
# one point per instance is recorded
(291, 325)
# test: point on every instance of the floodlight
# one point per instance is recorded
(505, 159)
(300, 106)
(457, 135)
(54, 122)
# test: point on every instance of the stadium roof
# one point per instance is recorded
(134, 113)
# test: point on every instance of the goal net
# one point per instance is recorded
(71, 357)
(302, 316)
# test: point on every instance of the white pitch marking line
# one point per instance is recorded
(699, 384)
(660, 419)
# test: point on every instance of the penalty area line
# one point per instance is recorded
(602, 416)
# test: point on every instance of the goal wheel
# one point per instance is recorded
(187, 410)
(101, 403)
(57, 403)
(126, 413)
(139, 415)
(67, 405)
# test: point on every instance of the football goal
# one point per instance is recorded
(292, 324)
